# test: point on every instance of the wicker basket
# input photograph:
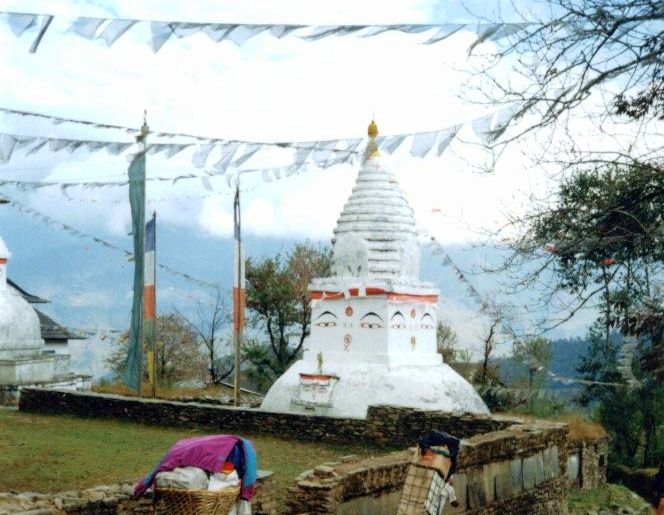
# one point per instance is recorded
(195, 501)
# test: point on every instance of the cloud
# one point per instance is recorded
(89, 298)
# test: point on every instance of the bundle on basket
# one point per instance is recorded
(428, 484)
(204, 475)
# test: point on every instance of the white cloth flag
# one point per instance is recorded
(161, 32)
(445, 138)
(116, 29)
(7, 144)
(423, 143)
(19, 23)
(445, 31)
(391, 143)
(86, 27)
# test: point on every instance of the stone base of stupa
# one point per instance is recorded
(46, 370)
(10, 393)
(347, 389)
(33, 369)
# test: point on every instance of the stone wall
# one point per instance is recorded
(10, 393)
(586, 462)
(350, 486)
(520, 469)
(384, 425)
(190, 414)
(506, 463)
(404, 426)
(114, 499)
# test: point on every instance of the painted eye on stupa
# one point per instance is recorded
(397, 321)
(326, 319)
(427, 321)
(371, 321)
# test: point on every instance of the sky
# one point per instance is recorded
(267, 90)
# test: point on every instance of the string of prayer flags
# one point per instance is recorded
(53, 223)
(111, 30)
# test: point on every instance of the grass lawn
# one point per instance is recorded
(607, 496)
(54, 453)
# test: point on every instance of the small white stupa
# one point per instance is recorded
(24, 360)
(373, 323)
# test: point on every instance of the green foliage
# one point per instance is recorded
(543, 407)
(446, 342)
(534, 355)
(606, 497)
(602, 241)
(179, 356)
(601, 238)
(634, 417)
(278, 302)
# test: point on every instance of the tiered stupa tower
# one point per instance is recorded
(373, 323)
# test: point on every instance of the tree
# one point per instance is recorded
(632, 414)
(179, 355)
(279, 304)
(577, 48)
(210, 319)
(486, 373)
(446, 341)
(534, 354)
(599, 239)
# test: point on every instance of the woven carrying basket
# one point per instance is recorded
(197, 502)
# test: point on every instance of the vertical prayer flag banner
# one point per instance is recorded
(239, 295)
(133, 365)
(150, 298)
(239, 291)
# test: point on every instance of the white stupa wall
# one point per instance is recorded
(373, 322)
(373, 329)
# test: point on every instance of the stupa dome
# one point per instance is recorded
(20, 333)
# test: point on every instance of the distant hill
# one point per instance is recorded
(567, 356)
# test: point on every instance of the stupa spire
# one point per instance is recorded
(372, 146)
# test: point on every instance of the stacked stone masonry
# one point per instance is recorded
(113, 499)
(586, 462)
(518, 470)
(506, 464)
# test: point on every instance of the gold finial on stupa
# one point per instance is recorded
(372, 131)
(372, 147)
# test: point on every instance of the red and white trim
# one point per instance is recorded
(371, 292)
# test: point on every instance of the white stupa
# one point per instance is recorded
(373, 323)
(24, 360)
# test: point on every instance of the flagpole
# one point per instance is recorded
(141, 139)
(238, 293)
(154, 335)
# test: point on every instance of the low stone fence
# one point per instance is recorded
(506, 464)
(395, 425)
(114, 499)
(384, 425)
(189, 414)
(586, 462)
(520, 469)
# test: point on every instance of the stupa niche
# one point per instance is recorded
(373, 323)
